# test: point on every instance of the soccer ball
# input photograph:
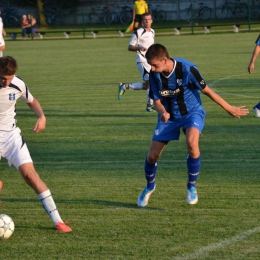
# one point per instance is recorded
(6, 226)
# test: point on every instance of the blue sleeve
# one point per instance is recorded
(154, 86)
(196, 79)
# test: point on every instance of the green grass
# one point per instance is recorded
(92, 154)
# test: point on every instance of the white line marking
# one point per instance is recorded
(211, 85)
(203, 251)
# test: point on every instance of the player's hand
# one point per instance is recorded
(238, 111)
(165, 117)
(251, 67)
(141, 48)
(40, 124)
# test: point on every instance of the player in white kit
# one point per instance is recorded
(140, 41)
(12, 145)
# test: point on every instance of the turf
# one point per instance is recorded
(92, 154)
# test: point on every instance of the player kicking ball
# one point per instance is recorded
(12, 145)
(175, 86)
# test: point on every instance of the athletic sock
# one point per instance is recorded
(50, 207)
(150, 173)
(193, 165)
(134, 86)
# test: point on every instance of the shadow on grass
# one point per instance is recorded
(88, 202)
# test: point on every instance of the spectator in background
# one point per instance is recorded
(140, 7)
(25, 29)
(32, 27)
(2, 33)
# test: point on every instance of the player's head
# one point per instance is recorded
(8, 68)
(157, 51)
(8, 65)
(157, 56)
(147, 20)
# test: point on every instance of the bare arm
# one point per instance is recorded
(232, 110)
(165, 116)
(3, 32)
(136, 48)
(37, 109)
(251, 65)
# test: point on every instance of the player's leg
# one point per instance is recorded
(129, 86)
(18, 156)
(137, 21)
(33, 179)
(193, 163)
(193, 125)
(1, 187)
(150, 168)
(2, 47)
(144, 69)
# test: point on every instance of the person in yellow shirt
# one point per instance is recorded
(140, 7)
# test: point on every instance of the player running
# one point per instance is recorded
(140, 41)
(175, 86)
(251, 68)
(12, 145)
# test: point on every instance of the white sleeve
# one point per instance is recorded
(133, 40)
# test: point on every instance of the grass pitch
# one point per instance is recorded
(92, 154)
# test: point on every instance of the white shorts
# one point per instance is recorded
(144, 69)
(13, 148)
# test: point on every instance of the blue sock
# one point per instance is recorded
(258, 106)
(193, 165)
(150, 173)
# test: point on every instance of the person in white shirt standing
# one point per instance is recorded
(2, 33)
(12, 145)
(140, 41)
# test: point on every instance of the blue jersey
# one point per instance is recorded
(179, 91)
(258, 40)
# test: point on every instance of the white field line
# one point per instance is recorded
(212, 84)
(203, 251)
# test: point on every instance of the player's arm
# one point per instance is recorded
(232, 110)
(37, 109)
(251, 65)
(3, 32)
(136, 48)
(158, 106)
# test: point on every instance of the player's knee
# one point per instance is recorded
(152, 157)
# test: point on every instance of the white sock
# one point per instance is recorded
(135, 86)
(50, 207)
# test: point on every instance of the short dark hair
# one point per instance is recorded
(146, 14)
(156, 51)
(8, 65)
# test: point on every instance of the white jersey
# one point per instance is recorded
(2, 41)
(8, 98)
(1, 27)
(142, 38)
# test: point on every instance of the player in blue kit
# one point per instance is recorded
(251, 67)
(174, 87)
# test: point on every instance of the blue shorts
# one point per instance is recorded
(165, 132)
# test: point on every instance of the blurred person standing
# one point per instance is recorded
(140, 7)
(251, 68)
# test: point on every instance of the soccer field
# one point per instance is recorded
(92, 154)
